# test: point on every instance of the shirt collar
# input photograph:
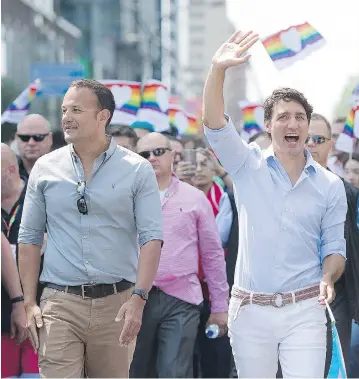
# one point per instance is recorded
(106, 154)
(310, 164)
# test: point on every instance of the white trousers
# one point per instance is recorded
(295, 335)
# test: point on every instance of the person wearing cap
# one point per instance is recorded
(142, 128)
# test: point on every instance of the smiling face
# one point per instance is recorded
(288, 128)
(82, 119)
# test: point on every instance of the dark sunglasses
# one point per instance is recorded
(35, 137)
(156, 152)
(318, 140)
(81, 202)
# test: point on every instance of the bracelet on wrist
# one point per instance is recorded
(17, 299)
(224, 175)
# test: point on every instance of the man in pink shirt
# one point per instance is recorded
(172, 313)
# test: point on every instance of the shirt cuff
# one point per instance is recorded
(219, 306)
(29, 236)
(335, 247)
(147, 238)
(229, 125)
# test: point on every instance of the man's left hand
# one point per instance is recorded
(327, 291)
(220, 319)
(132, 312)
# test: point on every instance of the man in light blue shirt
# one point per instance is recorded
(291, 230)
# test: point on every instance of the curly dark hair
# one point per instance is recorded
(285, 94)
(104, 95)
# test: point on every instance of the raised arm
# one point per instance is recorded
(228, 55)
(231, 150)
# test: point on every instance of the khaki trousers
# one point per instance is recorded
(80, 336)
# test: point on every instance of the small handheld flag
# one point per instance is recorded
(253, 119)
(290, 45)
(154, 105)
(127, 96)
(337, 365)
(346, 139)
(20, 107)
(181, 120)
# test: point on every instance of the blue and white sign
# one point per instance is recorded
(55, 78)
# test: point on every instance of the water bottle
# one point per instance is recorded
(212, 331)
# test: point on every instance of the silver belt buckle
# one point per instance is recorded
(83, 291)
(277, 300)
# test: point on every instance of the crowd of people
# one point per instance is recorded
(122, 247)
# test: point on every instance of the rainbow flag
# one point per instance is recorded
(350, 132)
(193, 126)
(253, 119)
(20, 107)
(337, 364)
(184, 122)
(290, 45)
(154, 105)
(127, 96)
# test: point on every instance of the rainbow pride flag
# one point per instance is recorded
(290, 45)
(20, 107)
(193, 126)
(127, 96)
(184, 122)
(337, 364)
(350, 132)
(253, 119)
(154, 105)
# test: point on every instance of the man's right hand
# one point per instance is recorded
(231, 52)
(185, 171)
(34, 321)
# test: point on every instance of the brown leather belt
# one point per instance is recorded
(93, 291)
(278, 299)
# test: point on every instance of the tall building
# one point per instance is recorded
(31, 31)
(170, 45)
(121, 38)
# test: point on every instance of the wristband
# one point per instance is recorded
(17, 299)
(224, 175)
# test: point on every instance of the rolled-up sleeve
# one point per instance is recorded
(332, 239)
(212, 258)
(33, 220)
(147, 205)
(232, 151)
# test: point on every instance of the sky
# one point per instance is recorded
(321, 76)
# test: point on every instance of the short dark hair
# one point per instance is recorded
(256, 136)
(286, 94)
(104, 95)
(123, 131)
(319, 117)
